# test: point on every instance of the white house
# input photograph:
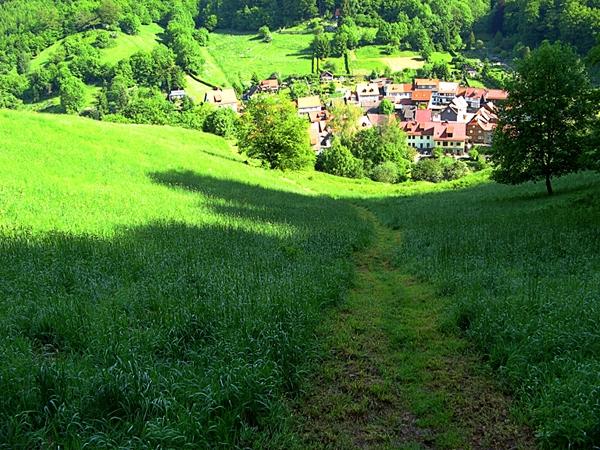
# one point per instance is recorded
(445, 93)
(309, 104)
(397, 91)
(368, 94)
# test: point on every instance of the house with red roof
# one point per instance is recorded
(480, 128)
(425, 136)
(398, 91)
(427, 84)
(422, 98)
(222, 98)
(270, 86)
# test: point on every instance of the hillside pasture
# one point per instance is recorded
(124, 46)
(522, 273)
(157, 292)
(238, 56)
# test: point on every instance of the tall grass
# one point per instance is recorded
(524, 271)
(151, 296)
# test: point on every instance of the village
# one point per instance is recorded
(434, 114)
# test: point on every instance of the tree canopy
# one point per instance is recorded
(544, 126)
(271, 131)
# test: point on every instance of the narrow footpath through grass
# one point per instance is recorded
(391, 377)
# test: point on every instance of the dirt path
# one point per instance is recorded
(392, 379)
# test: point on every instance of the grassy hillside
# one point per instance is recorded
(230, 57)
(124, 46)
(156, 290)
(523, 273)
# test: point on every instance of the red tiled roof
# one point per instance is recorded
(421, 96)
(270, 83)
(423, 115)
(440, 131)
(497, 94)
(426, 82)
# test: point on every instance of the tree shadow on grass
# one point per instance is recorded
(249, 201)
(167, 323)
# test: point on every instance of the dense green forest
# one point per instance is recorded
(28, 27)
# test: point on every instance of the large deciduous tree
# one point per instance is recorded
(544, 125)
(272, 131)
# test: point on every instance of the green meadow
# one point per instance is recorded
(231, 57)
(522, 273)
(158, 290)
(124, 46)
(238, 56)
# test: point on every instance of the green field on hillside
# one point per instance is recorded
(124, 46)
(240, 55)
(156, 290)
(523, 273)
(231, 57)
(160, 291)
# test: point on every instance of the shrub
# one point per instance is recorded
(265, 34)
(72, 94)
(386, 107)
(428, 169)
(474, 154)
(221, 122)
(103, 40)
(339, 160)
(130, 24)
(454, 169)
(386, 172)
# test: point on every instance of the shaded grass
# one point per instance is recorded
(392, 378)
(152, 297)
(520, 271)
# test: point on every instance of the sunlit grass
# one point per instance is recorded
(523, 273)
(156, 291)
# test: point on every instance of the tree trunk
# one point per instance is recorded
(549, 185)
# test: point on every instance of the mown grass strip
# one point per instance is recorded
(392, 378)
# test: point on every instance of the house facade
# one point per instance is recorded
(445, 93)
(368, 95)
(222, 98)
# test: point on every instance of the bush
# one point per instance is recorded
(386, 107)
(265, 34)
(428, 169)
(386, 172)
(72, 94)
(103, 40)
(222, 122)
(202, 37)
(130, 24)
(454, 169)
(339, 160)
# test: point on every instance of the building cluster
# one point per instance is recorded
(433, 113)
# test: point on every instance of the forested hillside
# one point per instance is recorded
(573, 21)
(84, 28)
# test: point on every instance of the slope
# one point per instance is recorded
(156, 290)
